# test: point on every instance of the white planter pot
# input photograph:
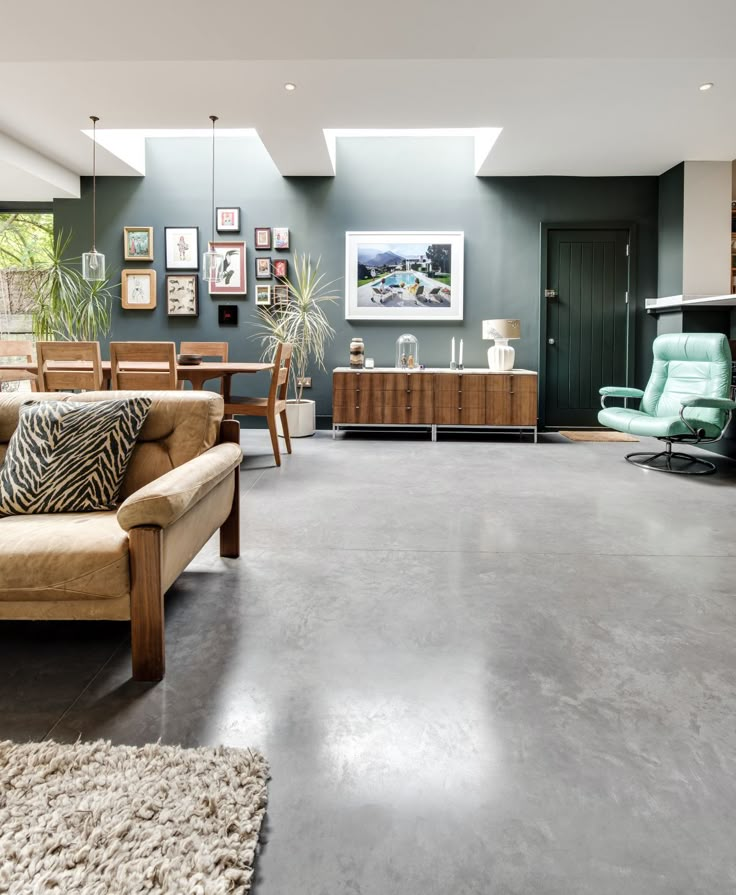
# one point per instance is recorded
(302, 417)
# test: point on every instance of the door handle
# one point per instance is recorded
(551, 341)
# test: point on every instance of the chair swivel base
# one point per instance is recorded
(685, 464)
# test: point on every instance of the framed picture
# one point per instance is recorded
(138, 243)
(138, 290)
(280, 295)
(228, 220)
(181, 295)
(227, 315)
(263, 269)
(263, 237)
(263, 295)
(233, 279)
(281, 237)
(404, 275)
(182, 248)
(281, 268)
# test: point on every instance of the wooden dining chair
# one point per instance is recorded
(54, 359)
(128, 366)
(207, 351)
(17, 350)
(274, 404)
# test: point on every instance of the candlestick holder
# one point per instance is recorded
(460, 367)
(453, 365)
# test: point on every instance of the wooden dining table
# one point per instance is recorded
(197, 374)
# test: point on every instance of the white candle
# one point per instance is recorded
(460, 362)
(452, 359)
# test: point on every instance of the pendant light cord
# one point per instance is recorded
(213, 119)
(94, 120)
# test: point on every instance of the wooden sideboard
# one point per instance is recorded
(433, 399)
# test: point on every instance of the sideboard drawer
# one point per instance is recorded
(408, 414)
(411, 405)
(408, 382)
(357, 406)
(360, 380)
(460, 390)
(459, 415)
(511, 400)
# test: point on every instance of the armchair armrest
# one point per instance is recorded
(617, 391)
(167, 498)
(713, 403)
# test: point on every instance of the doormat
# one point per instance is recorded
(93, 818)
(596, 435)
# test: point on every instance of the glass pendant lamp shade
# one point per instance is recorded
(212, 266)
(93, 266)
(212, 262)
(93, 263)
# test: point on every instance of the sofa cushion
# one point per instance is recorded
(67, 456)
(41, 557)
(626, 419)
(180, 426)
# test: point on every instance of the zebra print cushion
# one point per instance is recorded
(69, 457)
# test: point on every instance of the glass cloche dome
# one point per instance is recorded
(407, 352)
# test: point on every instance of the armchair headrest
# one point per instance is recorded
(709, 347)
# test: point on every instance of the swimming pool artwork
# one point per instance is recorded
(404, 275)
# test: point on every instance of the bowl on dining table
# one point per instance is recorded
(189, 360)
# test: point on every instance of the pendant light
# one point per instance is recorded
(93, 263)
(212, 261)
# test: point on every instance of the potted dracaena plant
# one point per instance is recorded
(302, 321)
(65, 306)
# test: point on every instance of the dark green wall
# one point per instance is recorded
(671, 221)
(388, 184)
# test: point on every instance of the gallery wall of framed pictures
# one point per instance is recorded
(182, 248)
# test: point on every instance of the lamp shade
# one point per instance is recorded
(502, 329)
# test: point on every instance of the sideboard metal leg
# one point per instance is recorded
(434, 433)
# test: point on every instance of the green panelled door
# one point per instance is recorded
(587, 322)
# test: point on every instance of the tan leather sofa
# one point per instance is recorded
(180, 487)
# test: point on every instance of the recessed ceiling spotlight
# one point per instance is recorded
(289, 86)
(706, 86)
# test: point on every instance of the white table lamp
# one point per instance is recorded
(501, 354)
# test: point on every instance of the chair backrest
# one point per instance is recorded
(687, 365)
(14, 348)
(280, 372)
(217, 350)
(55, 359)
(17, 350)
(128, 362)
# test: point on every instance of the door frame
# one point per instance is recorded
(544, 229)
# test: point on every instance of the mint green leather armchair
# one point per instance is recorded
(686, 401)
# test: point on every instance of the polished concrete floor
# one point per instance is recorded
(475, 667)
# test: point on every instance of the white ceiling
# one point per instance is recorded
(580, 87)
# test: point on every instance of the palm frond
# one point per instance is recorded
(67, 306)
(302, 320)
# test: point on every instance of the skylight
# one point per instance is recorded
(484, 137)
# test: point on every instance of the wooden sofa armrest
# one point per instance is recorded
(164, 500)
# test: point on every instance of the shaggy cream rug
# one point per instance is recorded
(97, 819)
